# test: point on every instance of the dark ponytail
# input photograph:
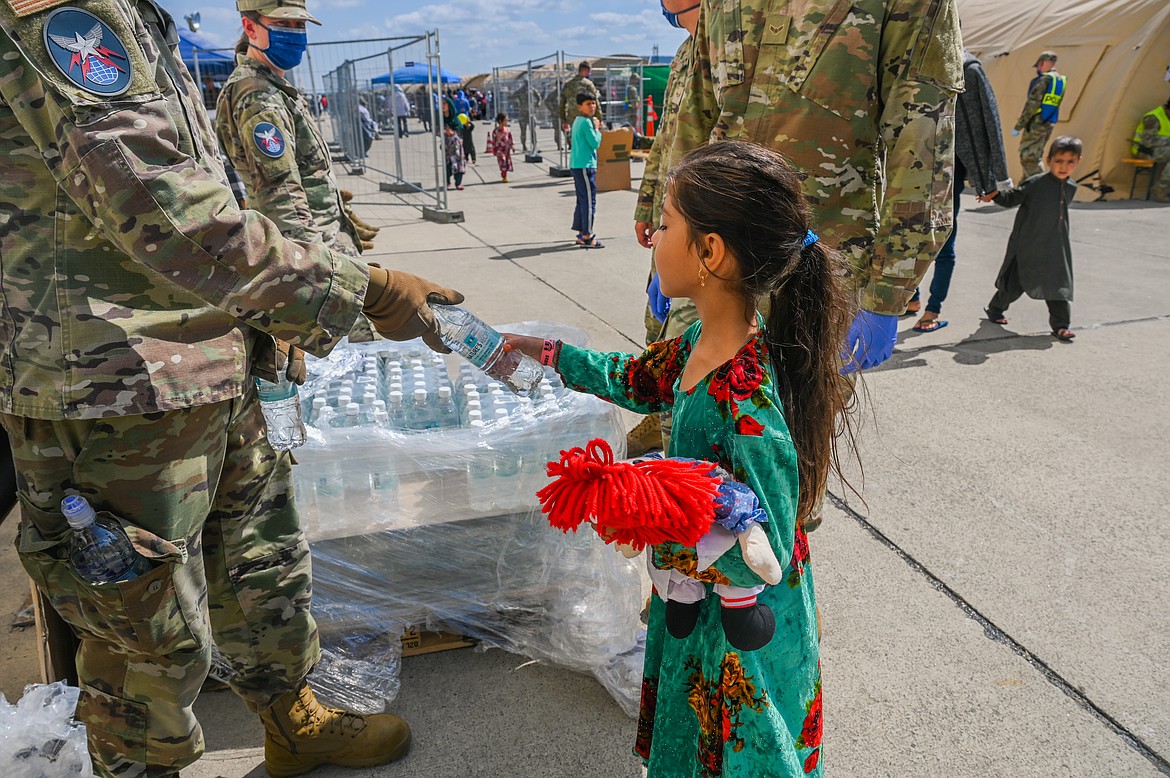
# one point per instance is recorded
(752, 198)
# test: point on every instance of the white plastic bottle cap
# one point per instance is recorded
(474, 416)
(444, 393)
(476, 424)
(379, 405)
(420, 396)
(395, 397)
(353, 409)
(318, 403)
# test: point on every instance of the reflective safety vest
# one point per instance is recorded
(1049, 109)
(1158, 113)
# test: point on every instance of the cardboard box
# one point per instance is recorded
(415, 642)
(613, 160)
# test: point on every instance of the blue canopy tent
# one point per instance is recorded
(415, 73)
(211, 63)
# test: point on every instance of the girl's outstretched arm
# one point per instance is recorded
(643, 384)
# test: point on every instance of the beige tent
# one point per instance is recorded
(1115, 53)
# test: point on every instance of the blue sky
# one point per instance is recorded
(475, 35)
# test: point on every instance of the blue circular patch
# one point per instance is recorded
(87, 51)
(268, 139)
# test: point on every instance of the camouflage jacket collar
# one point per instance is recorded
(247, 67)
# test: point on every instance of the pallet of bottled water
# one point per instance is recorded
(400, 436)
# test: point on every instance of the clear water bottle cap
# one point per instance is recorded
(353, 409)
(78, 512)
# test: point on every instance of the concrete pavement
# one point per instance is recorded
(995, 605)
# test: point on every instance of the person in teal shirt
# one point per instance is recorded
(763, 399)
(586, 138)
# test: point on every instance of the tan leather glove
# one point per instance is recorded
(294, 369)
(396, 304)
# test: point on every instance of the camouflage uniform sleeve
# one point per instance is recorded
(569, 86)
(644, 210)
(1034, 102)
(275, 182)
(921, 72)
(135, 167)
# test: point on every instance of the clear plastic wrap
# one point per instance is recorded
(432, 521)
(38, 736)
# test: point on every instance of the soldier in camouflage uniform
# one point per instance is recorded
(525, 99)
(573, 87)
(552, 102)
(654, 430)
(1031, 127)
(1152, 141)
(836, 87)
(264, 126)
(138, 301)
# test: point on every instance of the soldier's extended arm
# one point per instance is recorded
(644, 210)
(917, 128)
(275, 184)
(130, 167)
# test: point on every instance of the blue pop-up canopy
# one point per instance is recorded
(214, 63)
(415, 73)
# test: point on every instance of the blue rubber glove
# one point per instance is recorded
(659, 305)
(1015, 132)
(870, 340)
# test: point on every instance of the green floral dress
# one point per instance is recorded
(708, 709)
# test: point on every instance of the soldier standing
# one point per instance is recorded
(654, 430)
(573, 87)
(552, 103)
(1040, 114)
(139, 303)
(524, 99)
(1151, 140)
(832, 87)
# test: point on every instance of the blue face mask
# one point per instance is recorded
(672, 18)
(285, 46)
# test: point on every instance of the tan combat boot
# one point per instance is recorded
(301, 734)
(346, 195)
(365, 234)
(367, 245)
(644, 438)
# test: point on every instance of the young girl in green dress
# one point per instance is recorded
(764, 400)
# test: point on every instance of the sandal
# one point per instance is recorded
(929, 325)
(581, 239)
(592, 243)
(1064, 333)
(997, 319)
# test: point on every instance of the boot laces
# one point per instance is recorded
(332, 720)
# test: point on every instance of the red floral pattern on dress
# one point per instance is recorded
(646, 710)
(650, 378)
(746, 425)
(717, 705)
(800, 555)
(813, 728)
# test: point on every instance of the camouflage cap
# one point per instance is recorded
(1047, 55)
(277, 9)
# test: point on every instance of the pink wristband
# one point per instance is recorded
(548, 352)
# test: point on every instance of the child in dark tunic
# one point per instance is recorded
(1039, 258)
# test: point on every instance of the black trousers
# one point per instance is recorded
(1008, 289)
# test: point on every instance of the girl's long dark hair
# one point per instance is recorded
(751, 197)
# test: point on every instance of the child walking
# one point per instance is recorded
(763, 400)
(584, 140)
(1039, 256)
(500, 144)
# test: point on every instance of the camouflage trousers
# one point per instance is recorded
(202, 494)
(1161, 156)
(1032, 143)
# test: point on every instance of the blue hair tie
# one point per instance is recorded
(809, 238)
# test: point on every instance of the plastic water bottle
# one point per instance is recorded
(99, 549)
(282, 413)
(445, 409)
(480, 473)
(482, 346)
(351, 418)
(420, 413)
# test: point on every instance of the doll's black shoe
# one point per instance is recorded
(681, 617)
(747, 629)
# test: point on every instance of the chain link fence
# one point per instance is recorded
(530, 94)
(375, 103)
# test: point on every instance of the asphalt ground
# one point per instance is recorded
(995, 600)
